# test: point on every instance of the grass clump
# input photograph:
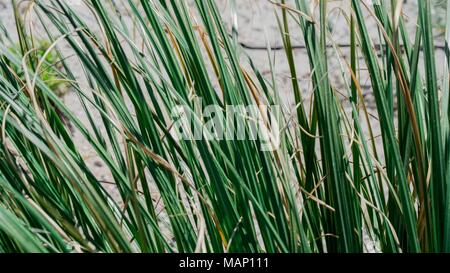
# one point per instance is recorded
(328, 187)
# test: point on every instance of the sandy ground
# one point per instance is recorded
(257, 27)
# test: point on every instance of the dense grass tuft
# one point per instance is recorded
(332, 185)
